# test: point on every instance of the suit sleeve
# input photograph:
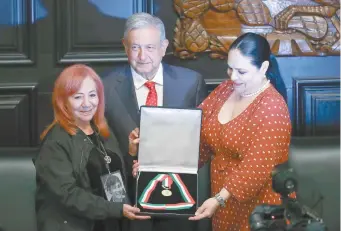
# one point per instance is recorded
(54, 170)
(115, 122)
(269, 146)
(201, 90)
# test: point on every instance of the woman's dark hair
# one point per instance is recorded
(257, 48)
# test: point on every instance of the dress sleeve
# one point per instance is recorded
(54, 170)
(269, 146)
(207, 107)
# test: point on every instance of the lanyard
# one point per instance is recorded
(167, 181)
(102, 151)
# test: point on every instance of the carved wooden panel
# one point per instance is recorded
(86, 32)
(17, 34)
(317, 106)
(18, 115)
(292, 27)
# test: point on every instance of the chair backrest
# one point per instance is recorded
(17, 190)
(316, 161)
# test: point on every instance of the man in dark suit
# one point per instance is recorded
(148, 81)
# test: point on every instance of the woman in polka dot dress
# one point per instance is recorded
(246, 131)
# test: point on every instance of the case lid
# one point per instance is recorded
(169, 139)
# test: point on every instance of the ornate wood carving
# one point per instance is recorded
(292, 27)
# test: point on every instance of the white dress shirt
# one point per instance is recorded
(142, 91)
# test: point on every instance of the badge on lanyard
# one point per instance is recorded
(114, 187)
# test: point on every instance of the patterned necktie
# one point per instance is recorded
(152, 95)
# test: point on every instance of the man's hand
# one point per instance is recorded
(130, 213)
(135, 168)
(133, 141)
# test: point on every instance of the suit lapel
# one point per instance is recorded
(169, 87)
(125, 90)
(127, 94)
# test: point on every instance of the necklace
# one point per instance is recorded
(106, 158)
(256, 92)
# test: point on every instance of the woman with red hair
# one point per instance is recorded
(77, 157)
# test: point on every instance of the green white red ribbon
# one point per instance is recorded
(166, 181)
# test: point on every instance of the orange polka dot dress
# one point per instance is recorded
(244, 152)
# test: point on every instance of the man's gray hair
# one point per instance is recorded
(143, 20)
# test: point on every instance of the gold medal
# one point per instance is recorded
(166, 193)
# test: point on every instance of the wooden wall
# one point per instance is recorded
(38, 38)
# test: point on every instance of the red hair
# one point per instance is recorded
(67, 84)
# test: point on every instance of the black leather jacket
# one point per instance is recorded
(64, 200)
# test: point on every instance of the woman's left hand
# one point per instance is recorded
(133, 141)
(206, 210)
